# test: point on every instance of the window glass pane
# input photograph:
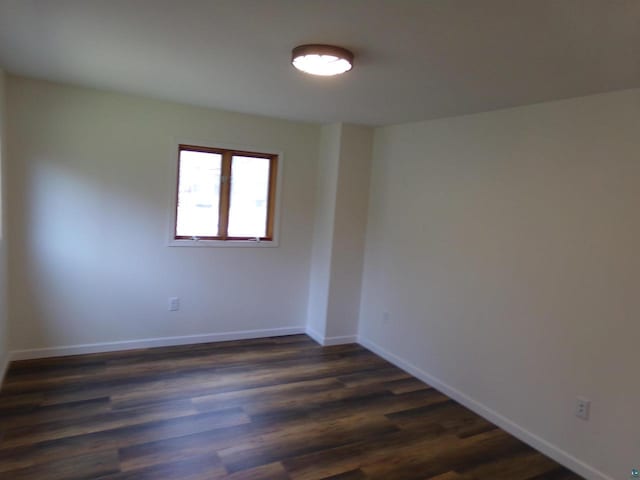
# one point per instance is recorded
(198, 194)
(249, 197)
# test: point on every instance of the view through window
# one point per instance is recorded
(225, 194)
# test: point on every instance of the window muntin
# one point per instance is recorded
(225, 194)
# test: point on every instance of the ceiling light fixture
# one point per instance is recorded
(325, 60)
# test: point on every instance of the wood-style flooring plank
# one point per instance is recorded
(76, 468)
(205, 467)
(11, 458)
(270, 471)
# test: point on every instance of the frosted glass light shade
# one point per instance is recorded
(325, 60)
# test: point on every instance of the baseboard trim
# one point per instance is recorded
(150, 343)
(509, 426)
(329, 341)
(344, 339)
(316, 336)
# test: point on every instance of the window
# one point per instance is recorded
(225, 194)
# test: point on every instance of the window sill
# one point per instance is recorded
(223, 243)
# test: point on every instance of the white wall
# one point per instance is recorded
(504, 246)
(352, 198)
(326, 188)
(92, 184)
(4, 308)
(342, 191)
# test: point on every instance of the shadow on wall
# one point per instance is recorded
(82, 245)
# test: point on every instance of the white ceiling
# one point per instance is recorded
(415, 59)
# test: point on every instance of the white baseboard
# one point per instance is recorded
(509, 426)
(150, 342)
(315, 335)
(329, 341)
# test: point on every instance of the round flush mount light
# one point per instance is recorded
(325, 60)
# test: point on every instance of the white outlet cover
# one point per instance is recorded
(583, 407)
(174, 304)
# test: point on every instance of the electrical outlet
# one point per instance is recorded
(583, 405)
(174, 304)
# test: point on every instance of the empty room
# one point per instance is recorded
(319, 239)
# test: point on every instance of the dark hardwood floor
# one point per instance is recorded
(275, 408)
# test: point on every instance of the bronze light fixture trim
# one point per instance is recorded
(324, 60)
